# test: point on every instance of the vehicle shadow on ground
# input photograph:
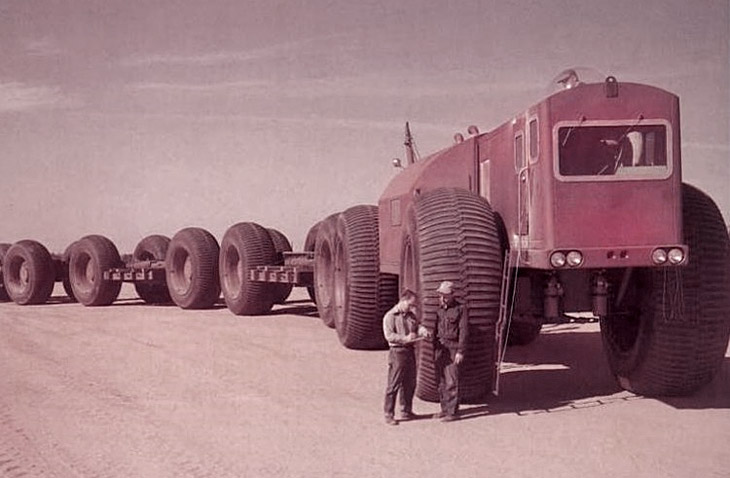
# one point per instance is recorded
(303, 308)
(566, 370)
(61, 300)
(128, 302)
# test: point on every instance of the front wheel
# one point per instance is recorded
(671, 336)
(451, 235)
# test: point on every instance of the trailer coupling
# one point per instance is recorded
(143, 271)
(298, 269)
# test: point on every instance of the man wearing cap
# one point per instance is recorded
(450, 338)
(401, 330)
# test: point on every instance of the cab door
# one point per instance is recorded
(523, 180)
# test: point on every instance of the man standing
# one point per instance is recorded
(450, 338)
(401, 330)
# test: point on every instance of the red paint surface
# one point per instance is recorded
(599, 215)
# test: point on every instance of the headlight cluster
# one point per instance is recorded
(673, 256)
(559, 259)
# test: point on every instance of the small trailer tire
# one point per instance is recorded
(28, 273)
(191, 269)
(90, 257)
(244, 246)
(152, 248)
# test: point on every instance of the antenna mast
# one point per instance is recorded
(410, 148)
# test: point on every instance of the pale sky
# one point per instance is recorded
(126, 119)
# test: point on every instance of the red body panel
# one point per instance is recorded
(615, 220)
(452, 167)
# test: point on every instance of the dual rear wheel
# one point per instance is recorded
(352, 294)
(29, 272)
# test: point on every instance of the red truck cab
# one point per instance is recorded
(592, 173)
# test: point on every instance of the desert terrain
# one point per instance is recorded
(133, 390)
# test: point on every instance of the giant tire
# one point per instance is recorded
(28, 273)
(90, 257)
(451, 234)
(280, 292)
(152, 248)
(3, 293)
(674, 334)
(191, 269)
(309, 245)
(357, 280)
(324, 268)
(246, 245)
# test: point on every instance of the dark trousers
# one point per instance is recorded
(447, 373)
(401, 378)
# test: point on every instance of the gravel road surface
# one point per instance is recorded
(153, 391)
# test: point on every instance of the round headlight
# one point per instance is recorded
(574, 258)
(659, 256)
(557, 259)
(675, 256)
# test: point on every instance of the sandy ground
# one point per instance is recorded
(142, 391)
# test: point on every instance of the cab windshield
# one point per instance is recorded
(615, 150)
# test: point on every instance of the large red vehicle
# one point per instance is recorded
(574, 205)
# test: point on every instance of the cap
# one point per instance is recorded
(446, 288)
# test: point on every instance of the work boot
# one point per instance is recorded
(408, 416)
(389, 420)
(439, 415)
